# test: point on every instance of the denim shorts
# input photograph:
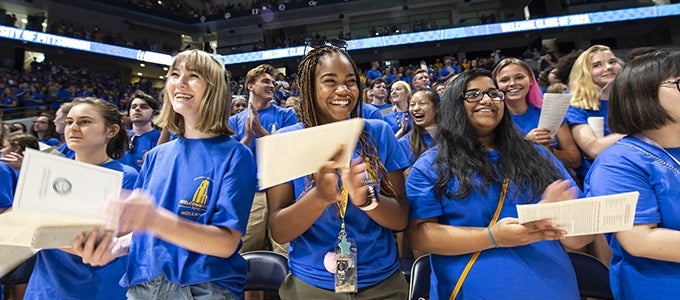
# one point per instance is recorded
(161, 288)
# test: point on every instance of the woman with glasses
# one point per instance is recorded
(187, 225)
(340, 222)
(43, 129)
(94, 132)
(463, 194)
(523, 99)
(645, 106)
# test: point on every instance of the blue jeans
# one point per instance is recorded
(161, 288)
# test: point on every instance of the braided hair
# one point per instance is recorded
(309, 117)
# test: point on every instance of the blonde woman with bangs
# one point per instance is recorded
(198, 190)
(590, 85)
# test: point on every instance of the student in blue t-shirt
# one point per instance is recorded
(644, 105)
(141, 108)
(398, 116)
(455, 187)
(197, 192)
(524, 100)
(423, 109)
(590, 86)
(95, 132)
(259, 119)
(309, 211)
(43, 129)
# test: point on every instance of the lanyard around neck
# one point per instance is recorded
(647, 140)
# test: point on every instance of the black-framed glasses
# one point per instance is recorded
(676, 82)
(317, 43)
(477, 95)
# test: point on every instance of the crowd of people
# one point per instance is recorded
(446, 153)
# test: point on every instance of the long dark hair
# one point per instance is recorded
(415, 140)
(309, 118)
(462, 156)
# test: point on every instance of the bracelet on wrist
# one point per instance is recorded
(371, 199)
(493, 241)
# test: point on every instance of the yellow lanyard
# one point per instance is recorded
(342, 204)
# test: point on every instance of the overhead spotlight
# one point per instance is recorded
(139, 74)
(142, 65)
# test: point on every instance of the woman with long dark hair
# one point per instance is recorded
(463, 193)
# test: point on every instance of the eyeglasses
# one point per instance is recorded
(131, 145)
(317, 43)
(477, 95)
(677, 83)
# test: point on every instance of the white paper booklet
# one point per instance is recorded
(57, 198)
(585, 216)
(553, 111)
(286, 156)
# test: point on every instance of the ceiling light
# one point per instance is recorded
(142, 65)
(139, 74)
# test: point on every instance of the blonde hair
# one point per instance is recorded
(585, 93)
(214, 108)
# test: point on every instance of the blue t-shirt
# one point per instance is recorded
(384, 108)
(208, 181)
(7, 185)
(371, 112)
(141, 144)
(50, 141)
(394, 119)
(539, 270)
(528, 121)
(576, 116)
(406, 146)
(66, 151)
(373, 74)
(376, 251)
(61, 275)
(273, 117)
(632, 165)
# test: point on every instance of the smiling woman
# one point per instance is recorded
(364, 203)
(480, 161)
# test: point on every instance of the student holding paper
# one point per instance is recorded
(644, 105)
(463, 194)
(524, 99)
(187, 230)
(340, 221)
(590, 86)
(94, 131)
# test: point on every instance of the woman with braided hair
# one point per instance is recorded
(340, 222)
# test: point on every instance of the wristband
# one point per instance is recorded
(488, 230)
(372, 197)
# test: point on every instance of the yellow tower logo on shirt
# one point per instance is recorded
(201, 194)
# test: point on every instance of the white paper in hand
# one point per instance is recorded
(610, 213)
(287, 156)
(57, 198)
(552, 113)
